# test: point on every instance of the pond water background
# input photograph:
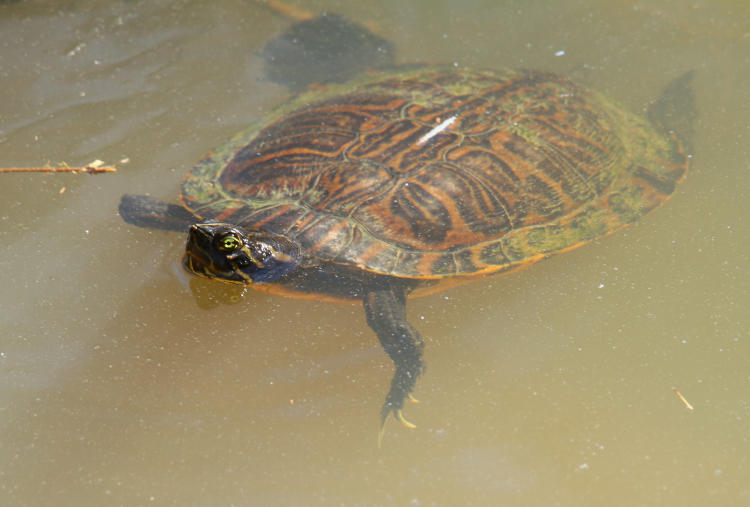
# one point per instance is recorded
(550, 386)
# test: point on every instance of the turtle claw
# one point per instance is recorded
(400, 391)
(380, 436)
(395, 408)
(398, 414)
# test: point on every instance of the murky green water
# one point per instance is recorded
(550, 386)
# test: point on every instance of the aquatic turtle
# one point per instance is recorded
(403, 181)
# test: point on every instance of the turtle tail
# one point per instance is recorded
(674, 111)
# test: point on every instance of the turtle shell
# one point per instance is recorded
(439, 172)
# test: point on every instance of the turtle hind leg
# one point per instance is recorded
(675, 111)
(326, 48)
(146, 211)
(386, 314)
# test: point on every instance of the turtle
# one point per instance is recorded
(396, 182)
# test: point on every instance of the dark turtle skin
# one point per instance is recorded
(404, 181)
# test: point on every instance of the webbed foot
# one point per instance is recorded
(385, 308)
(402, 384)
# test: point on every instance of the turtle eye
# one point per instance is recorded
(229, 242)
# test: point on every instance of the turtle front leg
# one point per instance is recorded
(386, 314)
(146, 211)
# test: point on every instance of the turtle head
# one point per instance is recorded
(227, 252)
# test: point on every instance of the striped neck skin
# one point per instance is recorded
(226, 252)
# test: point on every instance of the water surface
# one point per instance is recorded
(550, 386)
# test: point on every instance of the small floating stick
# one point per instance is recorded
(94, 167)
(682, 399)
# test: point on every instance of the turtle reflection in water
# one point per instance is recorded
(397, 182)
